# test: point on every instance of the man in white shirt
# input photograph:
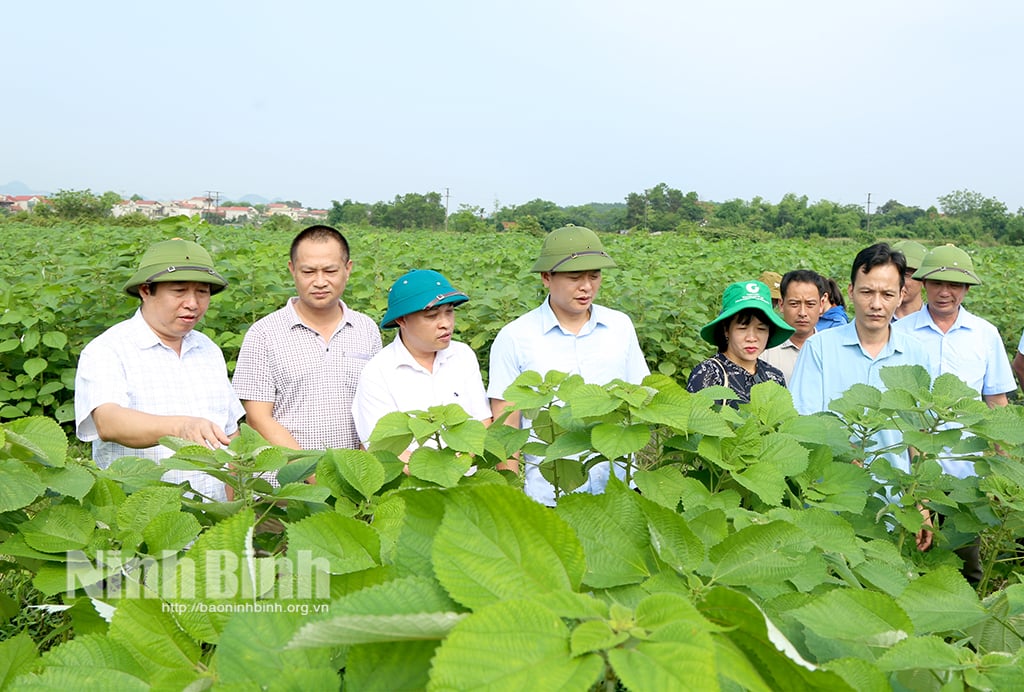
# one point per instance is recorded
(153, 375)
(423, 366)
(802, 293)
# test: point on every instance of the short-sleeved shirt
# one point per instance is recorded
(311, 383)
(394, 381)
(605, 349)
(719, 370)
(130, 366)
(832, 361)
(973, 351)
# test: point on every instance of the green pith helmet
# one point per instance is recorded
(418, 290)
(572, 249)
(749, 294)
(948, 263)
(175, 260)
(913, 251)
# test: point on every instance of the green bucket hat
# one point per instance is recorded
(175, 260)
(913, 251)
(948, 263)
(748, 294)
(572, 249)
(418, 290)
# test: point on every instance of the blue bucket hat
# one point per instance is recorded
(418, 290)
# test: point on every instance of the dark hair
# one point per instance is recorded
(743, 318)
(320, 233)
(802, 276)
(835, 294)
(878, 255)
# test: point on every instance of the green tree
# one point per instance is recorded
(83, 205)
(348, 213)
(468, 219)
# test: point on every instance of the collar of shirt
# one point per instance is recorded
(296, 320)
(143, 336)
(925, 320)
(549, 321)
(895, 344)
(405, 359)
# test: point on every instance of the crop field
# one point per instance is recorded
(750, 548)
(61, 286)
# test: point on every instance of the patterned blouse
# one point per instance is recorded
(714, 370)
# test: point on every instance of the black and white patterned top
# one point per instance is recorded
(714, 371)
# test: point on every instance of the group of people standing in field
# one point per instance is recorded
(314, 374)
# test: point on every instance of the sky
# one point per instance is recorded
(499, 103)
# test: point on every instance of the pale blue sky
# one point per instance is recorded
(573, 102)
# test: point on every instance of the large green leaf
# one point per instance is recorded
(170, 531)
(1003, 629)
(17, 655)
(143, 627)
(20, 486)
(613, 532)
(389, 666)
(141, 507)
(865, 617)
(928, 653)
(72, 480)
(409, 608)
(468, 437)
(59, 529)
(39, 439)
(495, 543)
(941, 601)
(421, 520)
(534, 652)
(359, 469)
(663, 485)
(617, 441)
(133, 472)
(441, 466)
(671, 537)
(216, 573)
(760, 554)
(253, 651)
(590, 401)
(347, 545)
(89, 662)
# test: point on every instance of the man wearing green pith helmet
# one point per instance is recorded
(153, 375)
(567, 333)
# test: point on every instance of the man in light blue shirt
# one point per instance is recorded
(957, 341)
(566, 333)
(834, 360)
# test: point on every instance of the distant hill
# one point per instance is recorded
(16, 187)
(253, 199)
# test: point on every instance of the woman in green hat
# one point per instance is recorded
(745, 327)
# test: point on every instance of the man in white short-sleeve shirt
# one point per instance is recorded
(423, 366)
(567, 333)
(153, 375)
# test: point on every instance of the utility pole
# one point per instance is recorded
(446, 209)
(869, 213)
(213, 196)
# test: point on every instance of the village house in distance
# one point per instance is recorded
(195, 206)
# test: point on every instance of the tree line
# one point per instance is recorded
(960, 216)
